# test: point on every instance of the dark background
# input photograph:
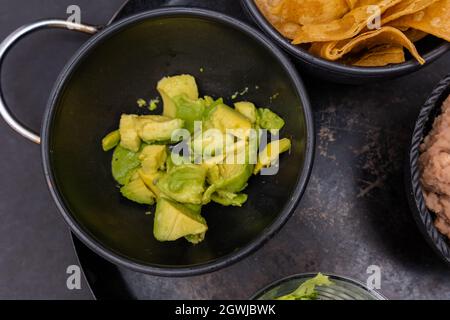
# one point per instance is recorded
(354, 213)
(35, 244)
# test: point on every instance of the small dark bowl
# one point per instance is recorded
(431, 49)
(342, 289)
(423, 217)
(123, 63)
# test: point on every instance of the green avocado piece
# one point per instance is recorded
(196, 238)
(210, 105)
(208, 194)
(136, 190)
(189, 110)
(174, 160)
(225, 118)
(171, 87)
(233, 177)
(111, 140)
(267, 119)
(174, 221)
(247, 109)
(229, 199)
(271, 152)
(153, 158)
(157, 128)
(184, 183)
(124, 164)
(129, 137)
(150, 180)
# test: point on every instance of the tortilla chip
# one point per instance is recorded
(335, 50)
(381, 56)
(287, 29)
(435, 20)
(266, 7)
(352, 4)
(305, 12)
(345, 28)
(404, 8)
(415, 35)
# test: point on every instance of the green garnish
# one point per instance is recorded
(141, 103)
(202, 70)
(307, 290)
(245, 91)
(153, 104)
(274, 97)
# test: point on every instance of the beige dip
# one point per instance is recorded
(435, 167)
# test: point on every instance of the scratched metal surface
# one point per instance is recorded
(354, 213)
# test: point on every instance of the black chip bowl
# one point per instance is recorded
(424, 217)
(430, 48)
(123, 62)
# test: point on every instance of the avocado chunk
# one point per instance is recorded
(136, 190)
(196, 238)
(269, 120)
(271, 152)
(151, 180)
(174, 221)
(247, 109)
(229, 199)
(234, 176)
(124, 164)
(129, 137)
(225, 118)
(174, 160)
(231, 177)
(184, 183)
(189, 110)
(171, 87)
(153, 158)
(158, 129)
(111, 140)
(210, 103)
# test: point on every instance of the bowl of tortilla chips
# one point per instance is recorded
(357, 41)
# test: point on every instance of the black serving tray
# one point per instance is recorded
(354, 213)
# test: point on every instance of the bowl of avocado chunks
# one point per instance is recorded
(215, 136)
(138, 205)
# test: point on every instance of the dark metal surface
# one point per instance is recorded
(354, 214)
(35, 244)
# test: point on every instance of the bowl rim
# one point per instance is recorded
(334, 67)
(423, 217)
(309, 275)
(235, 256)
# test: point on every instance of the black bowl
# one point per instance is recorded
(423, 217)
(431, 49)
(123, 63)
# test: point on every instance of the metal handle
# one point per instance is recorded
(9, 42)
